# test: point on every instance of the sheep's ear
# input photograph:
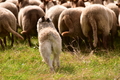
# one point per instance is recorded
(54, 2)
(48, 20)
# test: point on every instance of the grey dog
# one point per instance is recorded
(50, 43)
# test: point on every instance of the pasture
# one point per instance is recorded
(22, 62)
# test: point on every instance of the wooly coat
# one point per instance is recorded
(54, 12)
(114, 7)
(10, 6)
(8, 23)
(13, 8)
(12, 1)
(69, 26)
(69, 22)
(49, 42)
(27, 19)
(23, 3)
(98, 20)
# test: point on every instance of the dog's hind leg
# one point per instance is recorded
(56, 54)
(56, 60)
(49, 63)
(45, 51)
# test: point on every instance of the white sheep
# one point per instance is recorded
(49, 42)
(54, 12)
(98, 20)
(8, 23)
(27, 19)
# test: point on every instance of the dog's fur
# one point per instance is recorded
(49, 42)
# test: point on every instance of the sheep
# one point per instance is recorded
(90, 2)
(97, 1)
(8, 24)
(118, 4)
(69, 26)
(12, 1)
(77, 3)
(23, 3)
(27, 19)
(68, 23)
(12, 7)
(54, 12)
(48, 4)
(35, 2)
(113, 7)
(67, 4)
(49, 42)
(2, 44)
(97, 20)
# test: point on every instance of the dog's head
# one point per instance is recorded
(44, 22)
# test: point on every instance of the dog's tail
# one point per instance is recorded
(56, 44)
(50, 36)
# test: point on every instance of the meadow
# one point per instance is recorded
(22, 62)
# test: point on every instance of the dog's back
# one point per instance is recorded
(49, 41)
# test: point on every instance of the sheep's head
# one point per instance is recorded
(74, 1)
(63, 1)
(47, 1)
(22, 3)
(80, 3)
(44, 22)
(2, 0)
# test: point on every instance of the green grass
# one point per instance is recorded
(25, 63)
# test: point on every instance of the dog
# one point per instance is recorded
(50, 43)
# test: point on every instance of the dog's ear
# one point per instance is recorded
(48, 20)
(43, 19)
(118, 4)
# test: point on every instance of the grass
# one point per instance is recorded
(25, 63)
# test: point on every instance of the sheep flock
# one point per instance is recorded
(93, 23)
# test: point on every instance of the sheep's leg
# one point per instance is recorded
(69, 24)
(2, 44)
(25, 37)
(12, 39)
(112, 38)
(29, 40)
(87, 43)
(112, 42)
(90, 42)
(66, 42)
(4, 40)
(100, 41)
(105, 41)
